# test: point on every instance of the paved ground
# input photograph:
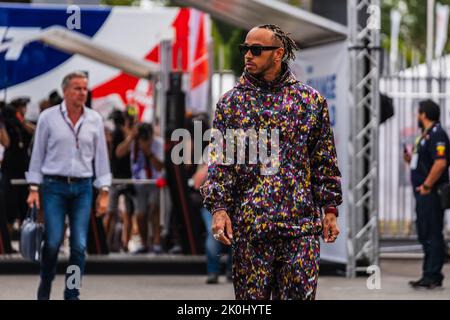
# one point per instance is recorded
(394, 277)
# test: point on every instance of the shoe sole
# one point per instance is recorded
(437, 287)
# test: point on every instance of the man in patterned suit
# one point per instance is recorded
(273, 218)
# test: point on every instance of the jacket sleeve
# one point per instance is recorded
(325, 174)
(217, 190)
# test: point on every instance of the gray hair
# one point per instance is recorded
(70, 76)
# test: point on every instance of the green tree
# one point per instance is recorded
(226, 40)
(118, 2)
(413, 27)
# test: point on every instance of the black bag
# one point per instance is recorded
(31, 236)
(444, 194)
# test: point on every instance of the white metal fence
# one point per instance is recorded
(406, 88)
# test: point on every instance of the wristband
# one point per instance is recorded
(332, 210)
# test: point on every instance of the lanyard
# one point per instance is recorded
(421, 137)
(75, 134)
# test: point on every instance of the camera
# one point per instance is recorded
(131, 115)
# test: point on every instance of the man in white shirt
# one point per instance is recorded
(69, 148)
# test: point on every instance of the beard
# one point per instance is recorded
(420, 124)
(263, 70)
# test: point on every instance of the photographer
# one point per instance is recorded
(146, 157)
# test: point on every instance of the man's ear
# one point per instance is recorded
(279, 53)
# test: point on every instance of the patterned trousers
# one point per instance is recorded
(278, 268)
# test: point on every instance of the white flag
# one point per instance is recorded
(199, 37)
(441, 28)
(396, 18)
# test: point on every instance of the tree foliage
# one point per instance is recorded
(413, 27)
(118, 2)
(226, 40)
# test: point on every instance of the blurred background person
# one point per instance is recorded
(4, 137)
(16, 159)
(146, 159)
(213, 248)
(4, 143)
(54, 98)
(121, 169)
(43, 105)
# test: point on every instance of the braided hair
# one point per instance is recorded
(288, 43)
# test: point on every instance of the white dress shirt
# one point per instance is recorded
(55, 150)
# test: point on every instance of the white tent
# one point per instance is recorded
(75, 42)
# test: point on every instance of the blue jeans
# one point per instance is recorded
(213, 247)
(58, 199)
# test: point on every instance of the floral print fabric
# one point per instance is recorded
(289, 202)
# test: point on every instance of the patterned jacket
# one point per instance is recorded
(289, 202)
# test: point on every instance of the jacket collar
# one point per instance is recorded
(250, 81)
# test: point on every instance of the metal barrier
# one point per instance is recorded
(98, 243)
(123, 181)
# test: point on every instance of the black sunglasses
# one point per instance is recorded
(255, 49)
